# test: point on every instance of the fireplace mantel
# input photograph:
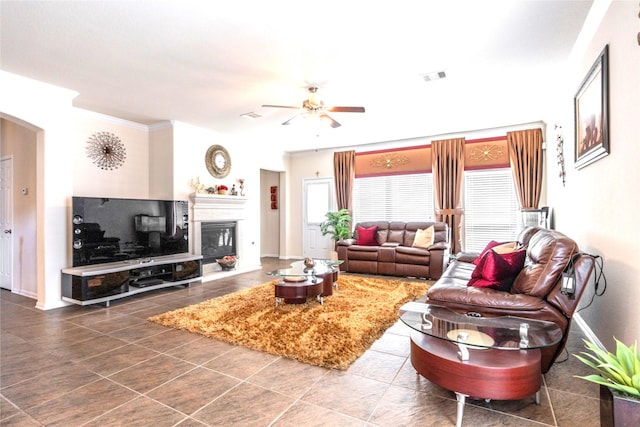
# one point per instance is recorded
(216, 207)
(219, 208)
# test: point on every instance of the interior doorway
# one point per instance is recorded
(318, 194)
(6, 223)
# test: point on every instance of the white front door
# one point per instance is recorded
(6, 223)
(318, 199)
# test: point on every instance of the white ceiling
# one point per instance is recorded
(206, 63)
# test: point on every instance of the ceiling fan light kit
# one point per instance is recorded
(314, 108)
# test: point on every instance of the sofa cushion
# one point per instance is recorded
(497, 271)
(423, 238)
(395, 236)
(367, 236)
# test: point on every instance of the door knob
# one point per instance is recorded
(7, 231)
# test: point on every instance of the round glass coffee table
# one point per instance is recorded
(485, 357)
(300, 282)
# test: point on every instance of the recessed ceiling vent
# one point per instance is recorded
(436, 75)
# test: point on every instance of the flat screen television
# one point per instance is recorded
(112, 229)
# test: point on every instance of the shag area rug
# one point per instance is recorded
(332, 335)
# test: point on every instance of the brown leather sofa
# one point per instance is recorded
(535, 292)
(393, 253)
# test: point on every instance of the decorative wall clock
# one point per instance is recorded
(106, 150)
(218, 161)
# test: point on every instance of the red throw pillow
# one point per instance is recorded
(497, 271)
(490, 245)
(367, 236)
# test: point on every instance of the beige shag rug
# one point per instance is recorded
(331, 335)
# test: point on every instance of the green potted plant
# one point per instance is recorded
(620, 374)
(338, 225)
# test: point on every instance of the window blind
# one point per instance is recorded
(394, 198)
(491, 209)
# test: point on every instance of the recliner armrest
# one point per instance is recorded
(467, 256)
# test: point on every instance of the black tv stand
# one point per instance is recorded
(102, 283)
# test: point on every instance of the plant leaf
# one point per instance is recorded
(619, 372)
(625, 357)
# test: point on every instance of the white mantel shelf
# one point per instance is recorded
(213, 199)
(217, 207)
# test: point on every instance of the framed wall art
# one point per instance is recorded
(274, 197)
(591, 105)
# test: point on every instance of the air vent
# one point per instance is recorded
(436, 75)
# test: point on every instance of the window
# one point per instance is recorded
(492, 211)
(394, 198)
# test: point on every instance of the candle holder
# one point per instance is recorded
(241, 181)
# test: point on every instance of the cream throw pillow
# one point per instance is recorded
(424, 238)
(506, 248)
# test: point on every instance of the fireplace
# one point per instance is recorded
(217, 239)
(218, 223)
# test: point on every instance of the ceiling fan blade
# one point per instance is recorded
(280, 106)
(290, 121)
(332, 123)
(346, 109)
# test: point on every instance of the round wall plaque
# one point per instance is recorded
(218, 161)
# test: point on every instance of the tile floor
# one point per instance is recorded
(97, 366)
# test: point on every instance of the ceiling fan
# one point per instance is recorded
(314, 107)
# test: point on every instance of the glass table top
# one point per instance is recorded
(321, 266)
(504, 332)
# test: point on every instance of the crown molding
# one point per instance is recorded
(111, 119)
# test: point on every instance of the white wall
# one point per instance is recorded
(131, 180)
(161, 161)
(190, 147)
(598, 207)
(160, 158)
(49, 109)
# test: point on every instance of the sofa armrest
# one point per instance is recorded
(346, 242)
(438, 259)
(439, 246)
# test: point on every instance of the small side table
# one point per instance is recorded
(490, 358)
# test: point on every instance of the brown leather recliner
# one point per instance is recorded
(535, 293)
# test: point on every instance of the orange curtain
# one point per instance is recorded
(525, 156)
(344, 172)
(448, 173)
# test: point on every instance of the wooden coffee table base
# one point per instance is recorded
(488, 374)
(298, 292)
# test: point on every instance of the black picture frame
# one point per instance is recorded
(591, 108)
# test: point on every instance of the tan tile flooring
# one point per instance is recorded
(97, 366)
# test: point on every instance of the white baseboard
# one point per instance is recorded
(591, 336)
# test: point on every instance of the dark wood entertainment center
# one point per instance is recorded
(101, 283)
